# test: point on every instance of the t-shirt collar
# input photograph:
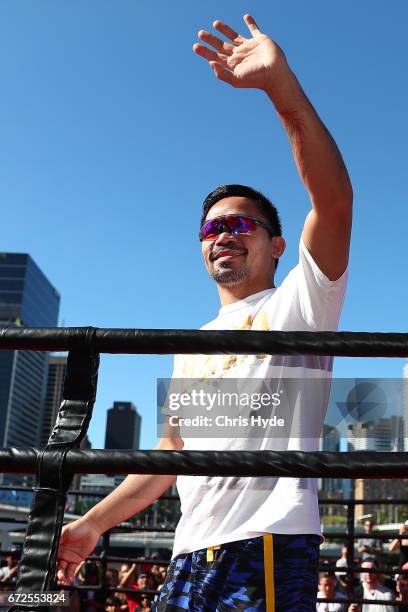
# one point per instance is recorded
(244, 303)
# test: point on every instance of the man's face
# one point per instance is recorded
(370, 579)
(326, 586)
(402, 587)
(245, 258)
(368, 526)
(11, 560)
(142, 581)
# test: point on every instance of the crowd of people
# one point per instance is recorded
(146, 579)
(138, 577)
(370, 584)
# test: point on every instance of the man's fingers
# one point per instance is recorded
(215, 42)
(208, 54)
(251, 23)
(228, 32)
(223, 74)
(66, 571)
(61, 571)
(61, 566)
(70, 572)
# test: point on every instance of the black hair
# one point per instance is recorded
(264, 205)
(328, 574)
(113, 600)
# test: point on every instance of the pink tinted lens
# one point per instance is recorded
(233, 224)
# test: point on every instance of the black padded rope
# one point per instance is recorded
(353, 464)
(211, 342)
(54, 477)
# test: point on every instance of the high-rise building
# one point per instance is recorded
(378, 435)
(405, 403)
(330, 488)
(123, 427)
(57, 367)
(27, 298)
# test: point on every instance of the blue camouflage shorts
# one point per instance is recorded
(274, 573)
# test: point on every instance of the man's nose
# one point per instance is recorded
(224, 237)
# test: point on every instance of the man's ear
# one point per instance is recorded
(278, 246)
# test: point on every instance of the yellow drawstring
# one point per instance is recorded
(210, 553)
(269, 571)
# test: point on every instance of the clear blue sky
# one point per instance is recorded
(112, 132)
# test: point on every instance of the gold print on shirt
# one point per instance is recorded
(260, 323)
(216, 366)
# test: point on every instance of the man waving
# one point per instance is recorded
(252, 543)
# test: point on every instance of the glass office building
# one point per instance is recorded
(27, 298)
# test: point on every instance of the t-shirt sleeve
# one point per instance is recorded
(317, 299)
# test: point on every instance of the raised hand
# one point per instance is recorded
(244, 62)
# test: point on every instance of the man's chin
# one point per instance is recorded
(229, 278)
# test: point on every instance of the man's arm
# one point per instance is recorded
(361, 547)
(327, 228)
(127, 576)
(134, 494)
(259, 62)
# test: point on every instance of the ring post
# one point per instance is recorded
(37, 567)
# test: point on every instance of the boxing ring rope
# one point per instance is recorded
(353, 464)
(56, 464)
(209, 342)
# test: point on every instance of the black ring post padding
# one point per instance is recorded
(287, 464)
(37, 566)
(208, 342)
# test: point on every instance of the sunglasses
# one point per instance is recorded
(233, 224)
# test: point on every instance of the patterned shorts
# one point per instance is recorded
(274, 573)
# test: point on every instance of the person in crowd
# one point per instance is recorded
(113, 604)
(374, 590)
(342, 561)
(140, 581)
(162, 573)
(327, 590)
(112, 577)
(124, 568)
(368, 546)
(402, 588)
(9, 572)
(88, 575)
(155, 572)
(344, 579)
(401, 544)
(145, 603)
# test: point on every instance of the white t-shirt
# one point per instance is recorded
(331, 607)
(381, 592)
(217, 510)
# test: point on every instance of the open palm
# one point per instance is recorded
(245, 62)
